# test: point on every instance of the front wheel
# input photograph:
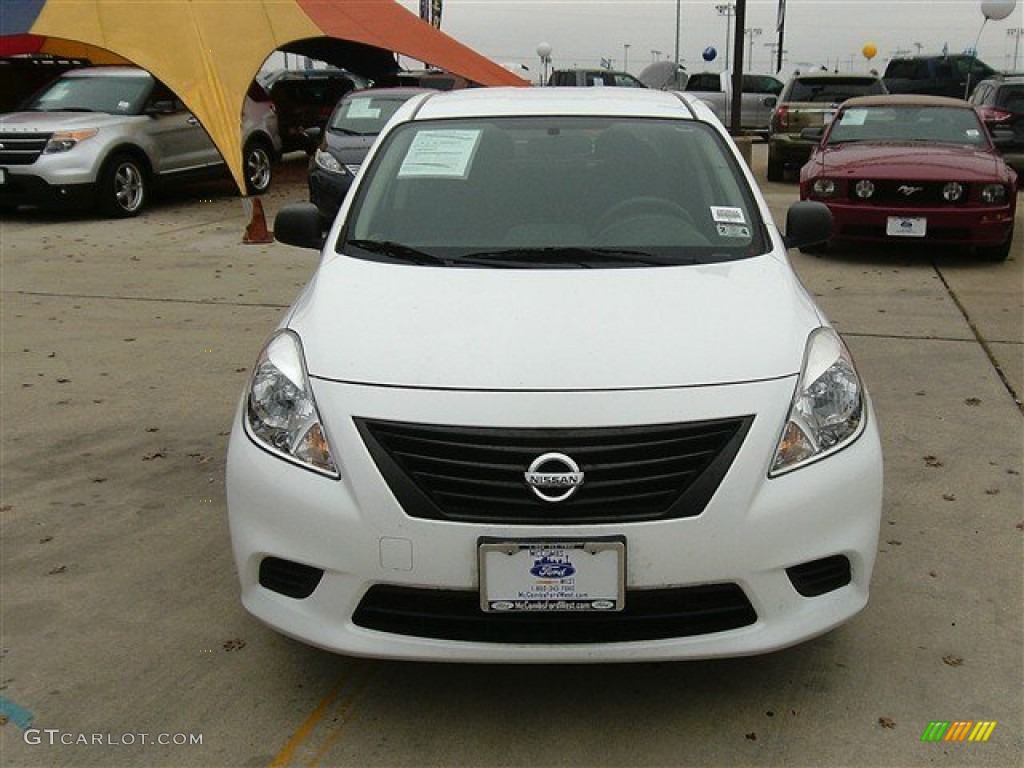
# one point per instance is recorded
(996, 252)
(257, 165)
(124, 188)
(776, 169)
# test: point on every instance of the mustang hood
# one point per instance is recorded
(901, 161)
(553, 329)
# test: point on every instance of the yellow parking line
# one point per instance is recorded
(298, 739)
(344, 713)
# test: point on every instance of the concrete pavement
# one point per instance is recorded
(125, 346)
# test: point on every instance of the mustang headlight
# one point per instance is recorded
(824, 187)
(328, 162)
(828, 408)
(993, 193)
(280, 412)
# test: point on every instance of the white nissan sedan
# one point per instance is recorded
(554, 394)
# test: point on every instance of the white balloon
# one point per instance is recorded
(997, 10)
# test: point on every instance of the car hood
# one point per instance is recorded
(349, 149)
(553, 329)
(45, 122)
(909, 160)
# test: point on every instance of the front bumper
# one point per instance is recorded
(354, 532)
(967, 225)
(327, 190)
(29, 189)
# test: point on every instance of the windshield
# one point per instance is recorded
(554, 190)
(114, 95)
(948, 125)
(833, 90)
(364, 115)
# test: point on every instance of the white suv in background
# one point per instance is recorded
(106, 136)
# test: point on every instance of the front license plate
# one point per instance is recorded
(906, 226)
(552, 575)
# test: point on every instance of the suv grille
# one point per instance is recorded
(22, 148)
(650, 614)
(472, 474)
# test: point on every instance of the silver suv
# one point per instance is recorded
(106, 136)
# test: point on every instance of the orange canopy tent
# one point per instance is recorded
(208, 51)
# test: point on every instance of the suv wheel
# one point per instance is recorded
(257, 165)
(776, 168)
(124, 188)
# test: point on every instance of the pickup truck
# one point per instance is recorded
(760, 94)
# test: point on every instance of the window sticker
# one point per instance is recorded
(123, 105)
(440, 154)
(728, 215)
(733, 230)
(853, 117)
(363, 108)
(973, 133)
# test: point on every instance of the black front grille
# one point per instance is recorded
(289, 578)
(655, 614)
(913, 194)
(472, 474)
(820, 576)
(22, 148)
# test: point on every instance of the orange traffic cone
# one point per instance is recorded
(256, 230)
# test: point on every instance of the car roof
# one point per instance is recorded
(402, 93)
(111, 71)
(497, 102)
(906, 100)
(866, 76)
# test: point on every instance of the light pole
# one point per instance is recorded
(727, 10)
(625, 57)
(1015, 33)
(751, 33)
(678, 12)
(544, 52)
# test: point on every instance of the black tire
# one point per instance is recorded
(123, 186)
(776, 168)
(258, 166)
(814, 250)
(996, 252)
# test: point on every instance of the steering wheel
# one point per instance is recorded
(624, 219)
(636, 207)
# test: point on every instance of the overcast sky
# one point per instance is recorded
(818, 32)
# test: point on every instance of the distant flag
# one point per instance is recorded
(425, 10)
(606, 63)
(781, 19)
(435, 13)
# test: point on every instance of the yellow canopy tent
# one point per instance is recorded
(208, 51)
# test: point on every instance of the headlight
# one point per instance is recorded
(824, 187)
(280, 412)
(952, 191)
(62, 141)
(828, 407)
(328, 162)
(993, 193)
(864, 189)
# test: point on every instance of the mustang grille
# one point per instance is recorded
(472, 474)
(911, 194)
(22, 148)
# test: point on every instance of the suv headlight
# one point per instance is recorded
(328, 162)
(280, 412)
(62, 141)
(828, 408)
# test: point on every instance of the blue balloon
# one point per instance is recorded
(709, 53)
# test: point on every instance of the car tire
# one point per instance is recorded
(776, 168)
(814, 250)
(123, 186)
(258, 166)
(996, 252)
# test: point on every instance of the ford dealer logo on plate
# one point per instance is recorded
(553, 567)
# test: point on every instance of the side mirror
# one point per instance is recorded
(813, 134)
(301, 225)
(807, 223)
(311, 137)
(1003, 137)
(161, 107)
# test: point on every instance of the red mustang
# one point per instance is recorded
(912, 168)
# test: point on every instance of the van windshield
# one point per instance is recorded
(545, 191)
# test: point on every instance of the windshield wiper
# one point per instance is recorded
(400, 251)
(582, 257)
